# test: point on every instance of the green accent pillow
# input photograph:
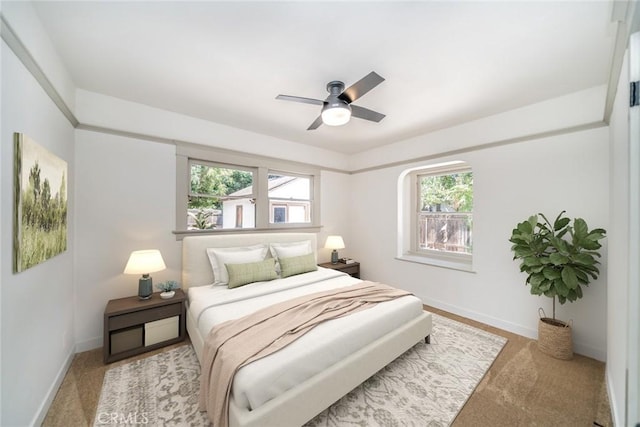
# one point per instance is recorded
(297, 265)
(243, 274)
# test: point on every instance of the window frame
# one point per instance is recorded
(263, 166)
(408, 214)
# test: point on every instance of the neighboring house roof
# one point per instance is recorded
(272, 185)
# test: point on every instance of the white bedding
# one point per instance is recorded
(325, 345)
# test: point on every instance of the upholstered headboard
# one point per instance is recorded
(196, 268)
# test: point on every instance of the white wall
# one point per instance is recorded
(511, 182)
(618, 277)
(37, 304)
(125, 200)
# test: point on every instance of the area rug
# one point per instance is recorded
(426, 386)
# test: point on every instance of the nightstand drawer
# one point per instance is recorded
(144, 316)
(351, 269)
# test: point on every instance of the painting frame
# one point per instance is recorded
(40, 204)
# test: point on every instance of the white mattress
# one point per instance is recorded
(325, 345)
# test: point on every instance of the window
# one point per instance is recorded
(220, 197)
(445, 213)
(289, 198)
(226, 191)
(436, 215)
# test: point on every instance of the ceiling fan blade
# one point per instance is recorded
(361, 87)
(365, 113)
(316, 124)
(300, 99)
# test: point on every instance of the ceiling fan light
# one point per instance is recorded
(336, 115)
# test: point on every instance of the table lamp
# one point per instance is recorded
(334, 242)
(145, 262)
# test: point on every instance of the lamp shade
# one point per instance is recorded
(336, 113)
(334, 242)
(144, 262)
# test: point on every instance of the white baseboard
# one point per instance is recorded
(612, 399)
(51, 393)
(493, 321)
(90, 344)
(579, 347)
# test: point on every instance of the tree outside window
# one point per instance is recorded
(445, 212)
(210, 187)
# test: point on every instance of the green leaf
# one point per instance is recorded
(558, 259)
(561, 288)
(531, 261)
(583, 259)
(536, 279)
(525, 228)
(597, 233)
(590, 245)
(582, 276)
(559, 244)
(580, 229)
(545, 285)
(569, 277)
(522, 251)
(560, 223)
(551, 273)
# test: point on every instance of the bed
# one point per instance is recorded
(323, 365)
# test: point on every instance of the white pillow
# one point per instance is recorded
(291, 249)
(218, 257)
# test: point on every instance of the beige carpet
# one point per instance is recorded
(553, 393)
(525, 387)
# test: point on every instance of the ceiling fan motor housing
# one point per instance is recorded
(335, 87)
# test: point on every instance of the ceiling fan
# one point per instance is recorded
(337, 108)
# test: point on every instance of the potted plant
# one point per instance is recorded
(167, 289)
(558, 259)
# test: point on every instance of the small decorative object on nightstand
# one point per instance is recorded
(167, 288)
(334, 242)
(352, 269)
(145, 262)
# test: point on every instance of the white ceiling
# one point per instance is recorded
(444, 63)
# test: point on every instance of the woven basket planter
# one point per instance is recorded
(555, 338)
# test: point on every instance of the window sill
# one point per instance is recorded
(181, 234)
(459, 265)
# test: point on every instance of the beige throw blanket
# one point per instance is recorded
(235, 343)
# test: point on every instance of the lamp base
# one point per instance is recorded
(334, 257)
(145, 287)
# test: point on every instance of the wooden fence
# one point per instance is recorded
(445, 231)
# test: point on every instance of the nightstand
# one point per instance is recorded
(133, 326)
(352, 269)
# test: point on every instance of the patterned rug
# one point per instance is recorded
(426, 386)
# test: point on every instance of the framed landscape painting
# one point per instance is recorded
(40, 204)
